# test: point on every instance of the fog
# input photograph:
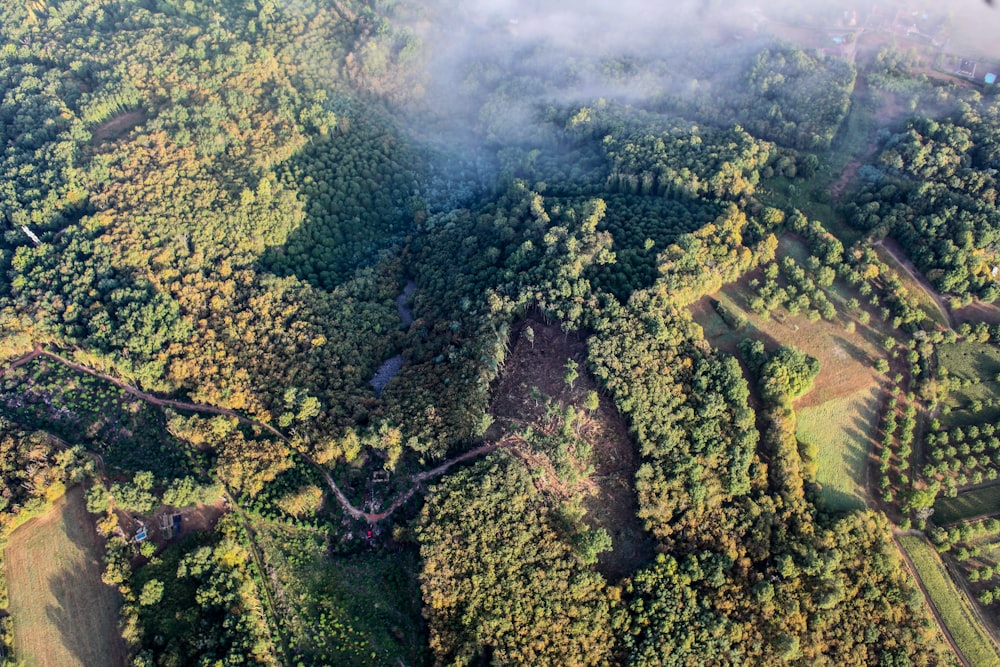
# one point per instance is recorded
(489, 71)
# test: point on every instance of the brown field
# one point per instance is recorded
(611, 503)
(846, 359)
(63, 614)
(979, 312)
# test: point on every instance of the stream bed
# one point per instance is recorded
(391, 367)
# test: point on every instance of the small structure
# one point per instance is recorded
(31, 235)
(967, 67)
(177, 525)
(166, 526)
(380, 476)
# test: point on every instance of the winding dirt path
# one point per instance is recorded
(893, 249)
(371, 517)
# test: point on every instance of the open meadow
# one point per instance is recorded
(976, 364)
(838, 414)
(63, 613)
(845, 347)
(841, 430)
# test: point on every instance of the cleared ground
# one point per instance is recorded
(63, 614)
(841, 429)
(955, 609)
(846, 357)
(838, 414)
(539, 364)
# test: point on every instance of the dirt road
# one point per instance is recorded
(371, 517)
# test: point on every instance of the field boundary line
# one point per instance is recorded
(927, 597)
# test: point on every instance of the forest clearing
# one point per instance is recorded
(408, 333)
(544, 375)
(842, 432)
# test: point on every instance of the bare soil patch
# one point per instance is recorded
(196, 517)
(540, 365)
(118, 126)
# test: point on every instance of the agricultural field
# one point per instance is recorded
(951, 603)
(967, 505)
(973, 554)
(841, 430)
(63, 613)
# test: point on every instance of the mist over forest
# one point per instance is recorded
(510, 332)
(485, 75)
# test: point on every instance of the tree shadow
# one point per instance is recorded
(856, 457)
(852, 350)
(837, 501)
(86, 609)
(354, 207)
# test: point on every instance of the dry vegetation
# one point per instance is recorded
(837, 415)
(845, 357)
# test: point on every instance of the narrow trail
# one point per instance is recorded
(371, 517)
(919, 278)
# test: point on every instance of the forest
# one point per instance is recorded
(359, 348)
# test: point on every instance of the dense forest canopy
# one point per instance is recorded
(272, 260)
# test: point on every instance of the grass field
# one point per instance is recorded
(973, 361)
(978, 502)
(841, 430)
(63, 614)
(846, 358)
(951, 603)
